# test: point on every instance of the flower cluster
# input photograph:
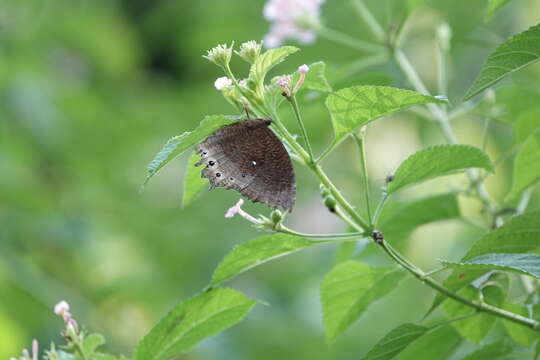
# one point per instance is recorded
(291, 19)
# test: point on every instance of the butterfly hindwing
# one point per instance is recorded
(249, 158)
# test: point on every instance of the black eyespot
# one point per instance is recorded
(253, 162)
(218, 174)
(204, 153)
(231, 179)
(243, 175)
(211, 163)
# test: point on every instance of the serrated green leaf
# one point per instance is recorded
(494, 351)
(528, 264)
(347, 291)
(194, 184)
(512, 55)
(193, 320)
(399, 219)
(92, 342)
(520, 234)
(316, 78)
(356, 106)
(256, 252)
(519, 333)
(526, 125)
(266, 61)
(395, 341)
(438, 343)
(477, 327)
(494, 5)
(526, 166)
(438, 161)
(178, 144)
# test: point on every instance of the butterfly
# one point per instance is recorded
(249, 158)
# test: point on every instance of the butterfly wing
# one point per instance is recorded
(249, 158)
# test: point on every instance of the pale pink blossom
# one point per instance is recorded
(303, 69)
(222, 83)
(291, 19)
(237, 209)
(61, 308)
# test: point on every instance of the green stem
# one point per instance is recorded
(294, 104)
(360, 142)
(337, 237)
(480, 306)
(380, 206)
(347, 40)
(369, 19)
(339, 212)
(447, 130)
(349, 209)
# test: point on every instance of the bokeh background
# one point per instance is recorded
(89, 92)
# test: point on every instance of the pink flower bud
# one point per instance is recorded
(303, 69)
(61, 308)
(222, 83)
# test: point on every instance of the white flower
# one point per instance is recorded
(291, 19)
(250, 51)
(303, 69)
(222, 83)
(220, 55)
(235, 209)
(61, 308)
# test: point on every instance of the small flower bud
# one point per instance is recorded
(222, 83)
(220, 55)
(276, 216)
(303, 69)
(324, 191)
(250, 51)
(330, 203)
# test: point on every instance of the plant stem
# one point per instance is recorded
(369, 19)
(347, 40)
(360, 142)
(340, 199)
(337, 237)
(447, 130)
(480, 306)
(294, 104)
(380, 206)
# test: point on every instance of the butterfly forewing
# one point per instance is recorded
(249, 158)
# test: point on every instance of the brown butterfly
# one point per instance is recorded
(249, 158)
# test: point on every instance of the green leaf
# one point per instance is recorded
(258, 251)
(396, 341)
(178, 144)
(437, 343)
(92, 342)
(316, 78)
(267, 61)
(519, 333)
(347, 291)
(438, 161)
(519, 235)
(526, 125)
(512, 55)
(494, 5)
(477, 327)
(526, 166)
(193, 320)
(528, 264)
(194, 184)
(399, 219)
(494, 351)
(356, 106)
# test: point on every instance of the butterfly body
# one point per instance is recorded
(249, 158)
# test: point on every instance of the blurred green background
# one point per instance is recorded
(89, 92)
